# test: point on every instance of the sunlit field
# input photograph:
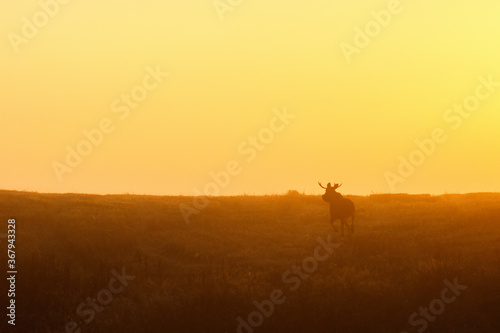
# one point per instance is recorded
(246, 264)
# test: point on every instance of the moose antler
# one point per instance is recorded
(321, 185)
(336, 186)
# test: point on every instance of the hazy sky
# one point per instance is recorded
(351, 104)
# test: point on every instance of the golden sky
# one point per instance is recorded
(282, 93)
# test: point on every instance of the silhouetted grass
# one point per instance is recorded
(200, 277)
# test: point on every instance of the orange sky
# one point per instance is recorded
(278, 95)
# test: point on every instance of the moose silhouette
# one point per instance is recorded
(340, 208)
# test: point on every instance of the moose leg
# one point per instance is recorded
(348, 228)
(333, 219)
(332, 222)
(352, 223)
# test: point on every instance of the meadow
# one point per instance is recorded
(208, 275)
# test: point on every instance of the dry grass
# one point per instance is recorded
(200, 277)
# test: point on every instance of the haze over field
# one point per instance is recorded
(357, 100)
(215, 274)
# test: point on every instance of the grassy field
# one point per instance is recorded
(203, 276)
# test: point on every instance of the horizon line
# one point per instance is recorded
(244, 194)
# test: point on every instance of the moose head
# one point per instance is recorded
(331, 195)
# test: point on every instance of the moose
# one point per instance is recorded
(340, 208)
